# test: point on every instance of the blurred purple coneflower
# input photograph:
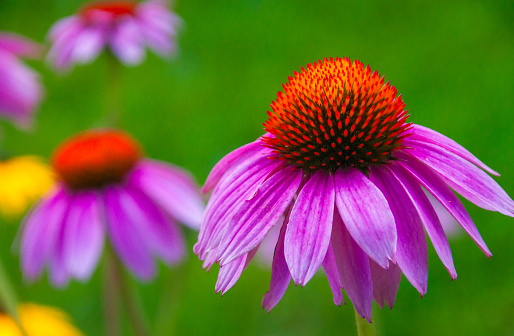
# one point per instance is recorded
(342, 164)
(105, 186)
(126, 27)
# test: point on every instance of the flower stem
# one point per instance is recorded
(111, 296)
(363, 327)
(166, 320)
(8, 299)
(113, 91)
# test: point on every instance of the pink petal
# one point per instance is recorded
(229, 274)
(353, 266)
(88, 44)
(127, 42)
(308, 231)
(412, 252)
(83, 235)
(464, 177)
(428, 216)
(426, 134)
(366, 214)
(19, 45)
(257, 215)
(330, 267)
(385, 283)
(437, 187)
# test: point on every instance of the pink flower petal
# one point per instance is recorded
(127, 42)
(19, 45)
(229, 274)
(330, 266)
(366, 214)
(308, 231)
(385, 283)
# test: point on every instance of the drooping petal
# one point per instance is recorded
(330, 266)
(229, 161)
(257, 215)
(426, 134)
(385, 283)
(464, 177)
(229, 274)
(173, 189)
(437, 187)
(366, 214)
(83, 235)
(40, 230)
(88, 44)
(428, 216)
(125, 235)
(412, 251)
(308, 232)
(280, 276)
(127, 41)
(353, 266)
(238, 186)
(19, 45)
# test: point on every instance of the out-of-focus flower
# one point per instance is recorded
(106, 186)
(342, 164)
(20, 90)
(126, 27)
(38, 321)
(23, 180)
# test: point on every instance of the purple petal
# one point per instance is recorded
(280, 276)
(229, 161)
(173, 189)
(88, 44)
(428, 216)
(366, 214)
(83, 235)
(257, 215)
(127, 42)
(238, 186)
(464, 177)
(330, 267)
(229, 274)
(19, 45)
(437, 187)
(353, 266)
(385, 283)
(308, 231)
(426, 134)
(40, 233)
(125, 235)
(412, 252)
(63, 36)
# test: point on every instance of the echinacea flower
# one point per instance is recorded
(106, 187)
(20, 90)
(38, 321)
(342, 164)
(23, 180)
(125, 27)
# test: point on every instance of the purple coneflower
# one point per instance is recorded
(126, 27)
(20, 91)
(347, 171)
(105, 186)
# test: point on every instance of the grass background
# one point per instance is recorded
(453, 63)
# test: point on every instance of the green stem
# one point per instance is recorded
(111, 296)
(363, 327)
(8, 298)
(113, 91)
(166, 320)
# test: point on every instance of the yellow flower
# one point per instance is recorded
(38, 321)
(23, 180)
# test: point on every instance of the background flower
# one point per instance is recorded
(106, 187)
(20, 91)
(126, 27)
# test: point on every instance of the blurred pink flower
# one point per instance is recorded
(345, 168)
(126, 27)
(105, 186)
(20, 90)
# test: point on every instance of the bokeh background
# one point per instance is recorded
(452, 61)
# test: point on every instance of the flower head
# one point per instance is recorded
(126, 27)
(20, 90)
(342, 164)
(106, 186)
(38, 321)
(24, 180)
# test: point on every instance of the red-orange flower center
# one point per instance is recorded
(114, 8)
(94, 159)
(336, 114)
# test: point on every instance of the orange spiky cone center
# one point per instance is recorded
(335, 114)
(94, 159)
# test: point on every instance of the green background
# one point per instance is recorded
(452, 61)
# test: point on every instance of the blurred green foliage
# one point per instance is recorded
(452, 61)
